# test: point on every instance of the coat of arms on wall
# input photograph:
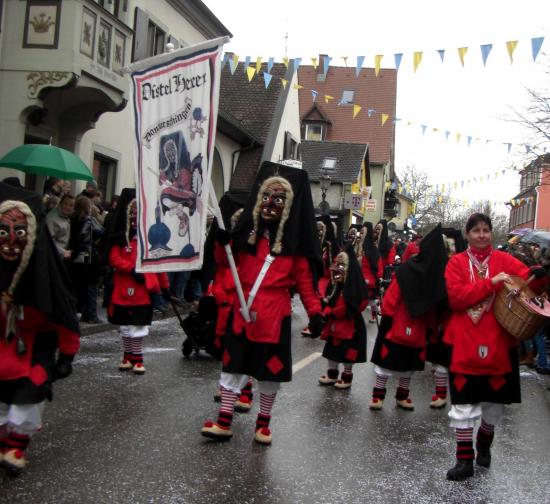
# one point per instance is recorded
(104, 44)
(42, 20)
(87, 32)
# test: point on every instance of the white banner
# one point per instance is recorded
(175, 107)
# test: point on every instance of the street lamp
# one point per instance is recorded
(329, 164)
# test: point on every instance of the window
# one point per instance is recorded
(348, 97)
(149, 39)
(155, 40)
(290, 149)
(104, 171)
(313, 131)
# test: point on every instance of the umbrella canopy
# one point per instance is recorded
(521, 231)
(47, 160)
(541, 238)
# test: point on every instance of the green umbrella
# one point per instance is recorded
(47, 160)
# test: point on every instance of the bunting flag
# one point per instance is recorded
(511, 47)
(423, 126)
(447, 133)
(250, 71)
(396, 119)
(360, 60)
(326, 64)
(441, 53)
(296, 64)
(345, 59)
(328, 98)
(461, 53)
(225, 59)
(314, 94)
(233, 63)
(356, 110)
(417, 58)
(246, 63)
(485, 51)
(297, 86)
(267, 79)
(285, 61)
(458, 135)
(314, 63)
(284, 82)
(536, 44)
(258, 64)
(469, 138)
(370, 112)
(508, 145)
(270, 65)
(397, 58)
(384, 118)
(377, 61)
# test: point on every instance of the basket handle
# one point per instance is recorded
(528, 281)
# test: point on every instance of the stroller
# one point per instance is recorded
(199, 328)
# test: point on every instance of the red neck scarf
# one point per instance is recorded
(481, 254)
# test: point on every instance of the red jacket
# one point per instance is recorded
(481, 349)
(370, 278)
(272, 302)
(223, 289)
(405, 330)
(32, 364)
(338, 325)
(127, 291)
(390, 258)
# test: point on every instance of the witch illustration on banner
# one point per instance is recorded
(180, 188)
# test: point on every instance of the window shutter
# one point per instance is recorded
(141, 24)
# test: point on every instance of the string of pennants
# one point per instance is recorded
(515, 202)
(253, 69)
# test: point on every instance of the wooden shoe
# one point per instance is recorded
(139, 368)
(263, 436)
(342, 385)
(125, 365)
(438, 402)
(405, 404)
(325, 380)
(462, 470)
(14, 461)
(376, 404)
(214, 431)
(243, 404)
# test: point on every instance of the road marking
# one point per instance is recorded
(306, 361)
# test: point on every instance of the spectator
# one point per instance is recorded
(90, 190)
(59, 224)
(50, 202)
(98, 212)
(54, 187)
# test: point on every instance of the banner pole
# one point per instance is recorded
(216, 208)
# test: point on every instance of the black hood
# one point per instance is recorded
(384, 242)
(370, 251)
(115, 234)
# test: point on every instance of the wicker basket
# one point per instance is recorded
(513, 312)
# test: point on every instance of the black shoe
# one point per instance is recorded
(483, 457)
(462, 470)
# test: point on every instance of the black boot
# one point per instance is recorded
(462, 470)
(483, 457)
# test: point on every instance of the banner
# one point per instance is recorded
(175, 107)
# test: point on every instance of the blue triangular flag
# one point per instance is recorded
(359, 65)
(371, 111)
(469, 140)
(441, 54)
(395, 119)
(326, 64)
(267, 79)
(225, 59)
(246, 63)
(508, 145)
(447, 133)
(485, 50)
(397, 57)
(314, 94)
(233, 65)
(423, 126)
(295, 64)
(536, 44)
(270, 65)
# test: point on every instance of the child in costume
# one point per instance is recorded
(344, 331)
(131, 305)
(275, 247)
(37, 320)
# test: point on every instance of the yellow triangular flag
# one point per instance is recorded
(250, 71)
(285, 61)
(384, 118)
(284, 82)
(258, 64)
(236, 59)
(314, 63)
(458, 135)
(417, 58)
(328, 98)
(511, 47)
(297, 86)
(461, 53)
(442, 187)
(455, 185)
(356, 110)
(409, 123)
(377, 60)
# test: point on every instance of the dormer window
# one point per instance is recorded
(314, 131)
(348, 97)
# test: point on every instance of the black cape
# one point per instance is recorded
(115, 233)
(456, 235)
(384, 242)
(370, 251)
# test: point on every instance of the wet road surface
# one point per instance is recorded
(112, 437)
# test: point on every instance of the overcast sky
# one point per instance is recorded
(474, 101)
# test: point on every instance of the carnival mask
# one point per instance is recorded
(132, 214)
(273, 203)
(377, 230)
(13, 234)
(352, 234)
(339, 268)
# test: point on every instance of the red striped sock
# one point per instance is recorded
(246, 391)
(266, 403)
(262, 421)
(485, 434)
(441, 386)
(465, 444)
(381, 381)
(136, 348)
(17, 441)
(228, 400)
(403, 388)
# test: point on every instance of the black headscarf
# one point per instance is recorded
(421, 278)
(115, 234)
(330, 239)
(369, 248)
(355, 288)
(384, 243)
(456, 235)
(45, 284)
(300, 230)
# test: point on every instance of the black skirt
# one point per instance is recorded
(394, 356)
(24, 391)
(140, 315)
(473, 389)
(263, 361)
(349, 351)
(438, 352)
